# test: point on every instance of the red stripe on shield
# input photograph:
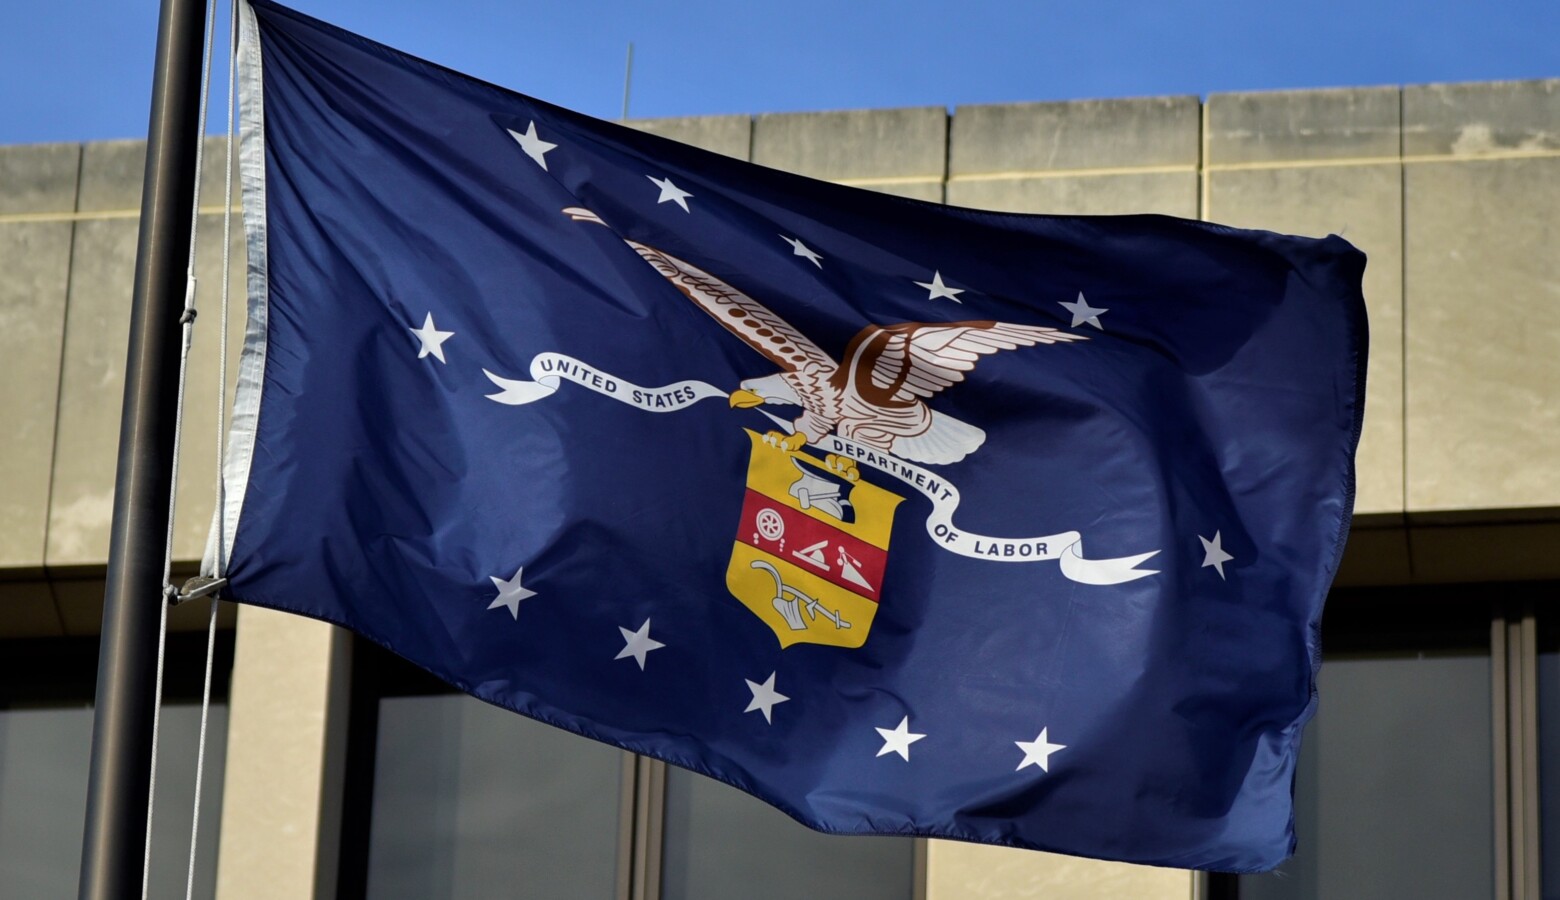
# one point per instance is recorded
(816, 546)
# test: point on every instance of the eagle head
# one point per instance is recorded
(769, 389)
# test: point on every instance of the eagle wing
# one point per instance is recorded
(753, 322)
(920, 359)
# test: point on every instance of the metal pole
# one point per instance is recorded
(111, 858)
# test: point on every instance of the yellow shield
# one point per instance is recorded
(811, 547)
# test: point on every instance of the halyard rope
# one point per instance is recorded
(169, 592)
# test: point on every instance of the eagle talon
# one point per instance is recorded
(787, 442)
(843, 465)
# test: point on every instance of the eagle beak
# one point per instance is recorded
(741, 399)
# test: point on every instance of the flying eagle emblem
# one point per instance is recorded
(877, 394)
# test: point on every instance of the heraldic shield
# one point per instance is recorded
(811, 547)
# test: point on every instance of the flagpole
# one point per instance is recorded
(111, 859)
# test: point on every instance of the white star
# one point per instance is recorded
(1038, 751)
(935, 289)
(1083, 312)
(430, 340)
(637, 644)
(1213, 553)
(898, 739)
(510, 593)
(765, 697)
(802, 250)
(670, 192)
(534, 147)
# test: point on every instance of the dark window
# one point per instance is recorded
(1394, 796)
(722, 843)
(1549, 755)
(46, 690)
(472, 801)
(450, 798)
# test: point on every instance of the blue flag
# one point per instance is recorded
(904, 518)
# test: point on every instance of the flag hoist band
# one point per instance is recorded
(473, 426)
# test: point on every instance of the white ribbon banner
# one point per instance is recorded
(1066, 546)
(550, 370)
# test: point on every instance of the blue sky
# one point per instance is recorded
(81, 69)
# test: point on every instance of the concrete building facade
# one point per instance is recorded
(1453, 191)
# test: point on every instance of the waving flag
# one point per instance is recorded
(906, 519)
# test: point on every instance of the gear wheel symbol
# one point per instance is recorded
(770, 525)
